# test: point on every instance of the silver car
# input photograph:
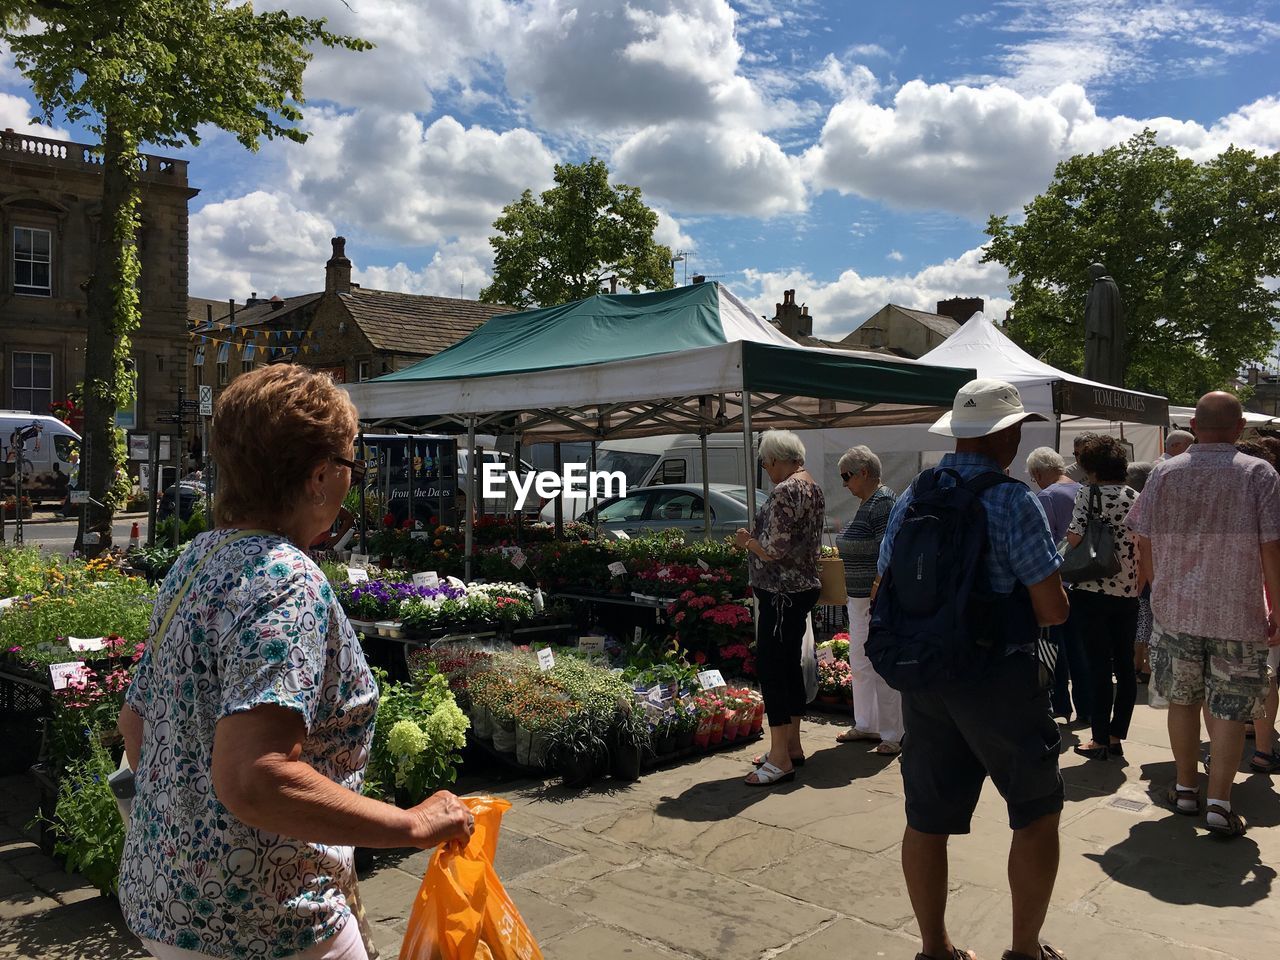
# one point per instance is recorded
(677, 506)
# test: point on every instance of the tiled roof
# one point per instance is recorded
(411, 323)
(934, 321)
(198, 312)
(261, 314)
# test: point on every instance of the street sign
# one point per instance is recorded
(79, 496)
(140, 447)
(206, 401)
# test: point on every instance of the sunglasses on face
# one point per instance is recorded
(358, 469)
(846, 477)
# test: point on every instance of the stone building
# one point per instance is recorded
(909, 333)
(345, 330)
(50, 203)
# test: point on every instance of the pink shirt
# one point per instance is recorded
(1206, 513)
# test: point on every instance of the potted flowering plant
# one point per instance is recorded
(834, 678)
(538, 714)
(417, 739)
(629, 740)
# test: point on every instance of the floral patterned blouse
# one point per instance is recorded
(259, 625)
(789, 526)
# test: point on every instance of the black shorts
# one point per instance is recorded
(998, 727)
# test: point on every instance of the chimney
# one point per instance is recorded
(699, 278)
(337, 272)
(961, 309)
(276, 302)
(793, 319)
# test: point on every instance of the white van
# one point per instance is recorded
(50, 458)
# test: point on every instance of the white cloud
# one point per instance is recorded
(452, 272)
(258, 242)
(712, 169)
(16, 113)
(894, 255)
(669, 232)
(421, 48)
(982, 150)
(604, 65)
(1096, 42)
(841, 305)
(852, 80)
(407, 183)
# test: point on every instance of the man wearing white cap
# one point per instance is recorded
(998, 725)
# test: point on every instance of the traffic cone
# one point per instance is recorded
(135, 537)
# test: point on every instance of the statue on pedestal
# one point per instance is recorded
(1105, 341)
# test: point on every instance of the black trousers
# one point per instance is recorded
(1109, 625)
(779, 635)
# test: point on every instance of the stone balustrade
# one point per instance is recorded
(64, 153)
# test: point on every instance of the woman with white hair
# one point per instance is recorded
(783, 566)
(877, 707)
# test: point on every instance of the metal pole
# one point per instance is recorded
(515, 466)
(706, 489)
(469, 531)
(153, 465)
(559, 466)
(205, 474)
(413, 477)
(749, 453)
(364, 526)
(177, 486)
(17, 489)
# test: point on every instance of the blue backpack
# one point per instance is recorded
(935, 619)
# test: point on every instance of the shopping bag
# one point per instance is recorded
(809, 661)
(462, 912)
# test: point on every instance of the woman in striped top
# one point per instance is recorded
(877, 707)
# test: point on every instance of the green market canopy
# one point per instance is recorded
(677, 361)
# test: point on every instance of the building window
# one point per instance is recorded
(224, 354)
(246, 357)
(32, 262)
(32, 381)
(362, 371)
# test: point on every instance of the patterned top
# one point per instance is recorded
(259, 625)
(1058, 501)
(1021, 547)
(1117, 499)
(1206, 512)
(859, 542)
(789, 526)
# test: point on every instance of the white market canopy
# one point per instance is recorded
(676, 361)
(1181, 417)
(981, 345)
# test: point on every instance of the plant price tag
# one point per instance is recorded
(618, 568)
(546, 659)
(825, 655)
(86, 644)
(429, 579)
(359, 561)
(703, 564)
(654, 694)
(357, 575)
(62, 674)
(639, 635)
(539, 604)
(591, 644)
(710, 679)
(518, 559)
(420, 535)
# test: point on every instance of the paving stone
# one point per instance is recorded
(389, 894)
(874, 828)
(731, 846)
(597, 943)
(544, 918)
(24, 902)
(700, 913)
(33, 864)
(848, 938)
(816, 807)
(846, 881)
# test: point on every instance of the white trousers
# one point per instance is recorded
(346, 945)
(877, 707)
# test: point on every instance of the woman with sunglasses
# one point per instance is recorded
(250, 716)
(877, 707)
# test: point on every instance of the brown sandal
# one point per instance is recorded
(1234, 827)
(956, 954)
(1174, 795)
(1046, 953)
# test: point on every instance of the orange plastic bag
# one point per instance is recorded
(462, 912)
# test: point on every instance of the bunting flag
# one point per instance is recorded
(306, 348)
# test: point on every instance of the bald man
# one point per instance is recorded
(1208, 527)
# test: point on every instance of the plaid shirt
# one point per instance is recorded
(1021, 547)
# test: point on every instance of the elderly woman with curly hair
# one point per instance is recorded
(783, 567)
(251, 713)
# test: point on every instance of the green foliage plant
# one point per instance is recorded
(87, 827)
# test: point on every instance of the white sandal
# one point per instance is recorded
(767, 775)
(887, 748)
(853, 735)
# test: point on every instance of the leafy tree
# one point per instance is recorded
(564, 244)
(1189, 244)
(150, 72)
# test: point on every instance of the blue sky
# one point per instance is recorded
(849, 150)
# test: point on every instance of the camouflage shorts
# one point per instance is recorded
(1228, 675)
